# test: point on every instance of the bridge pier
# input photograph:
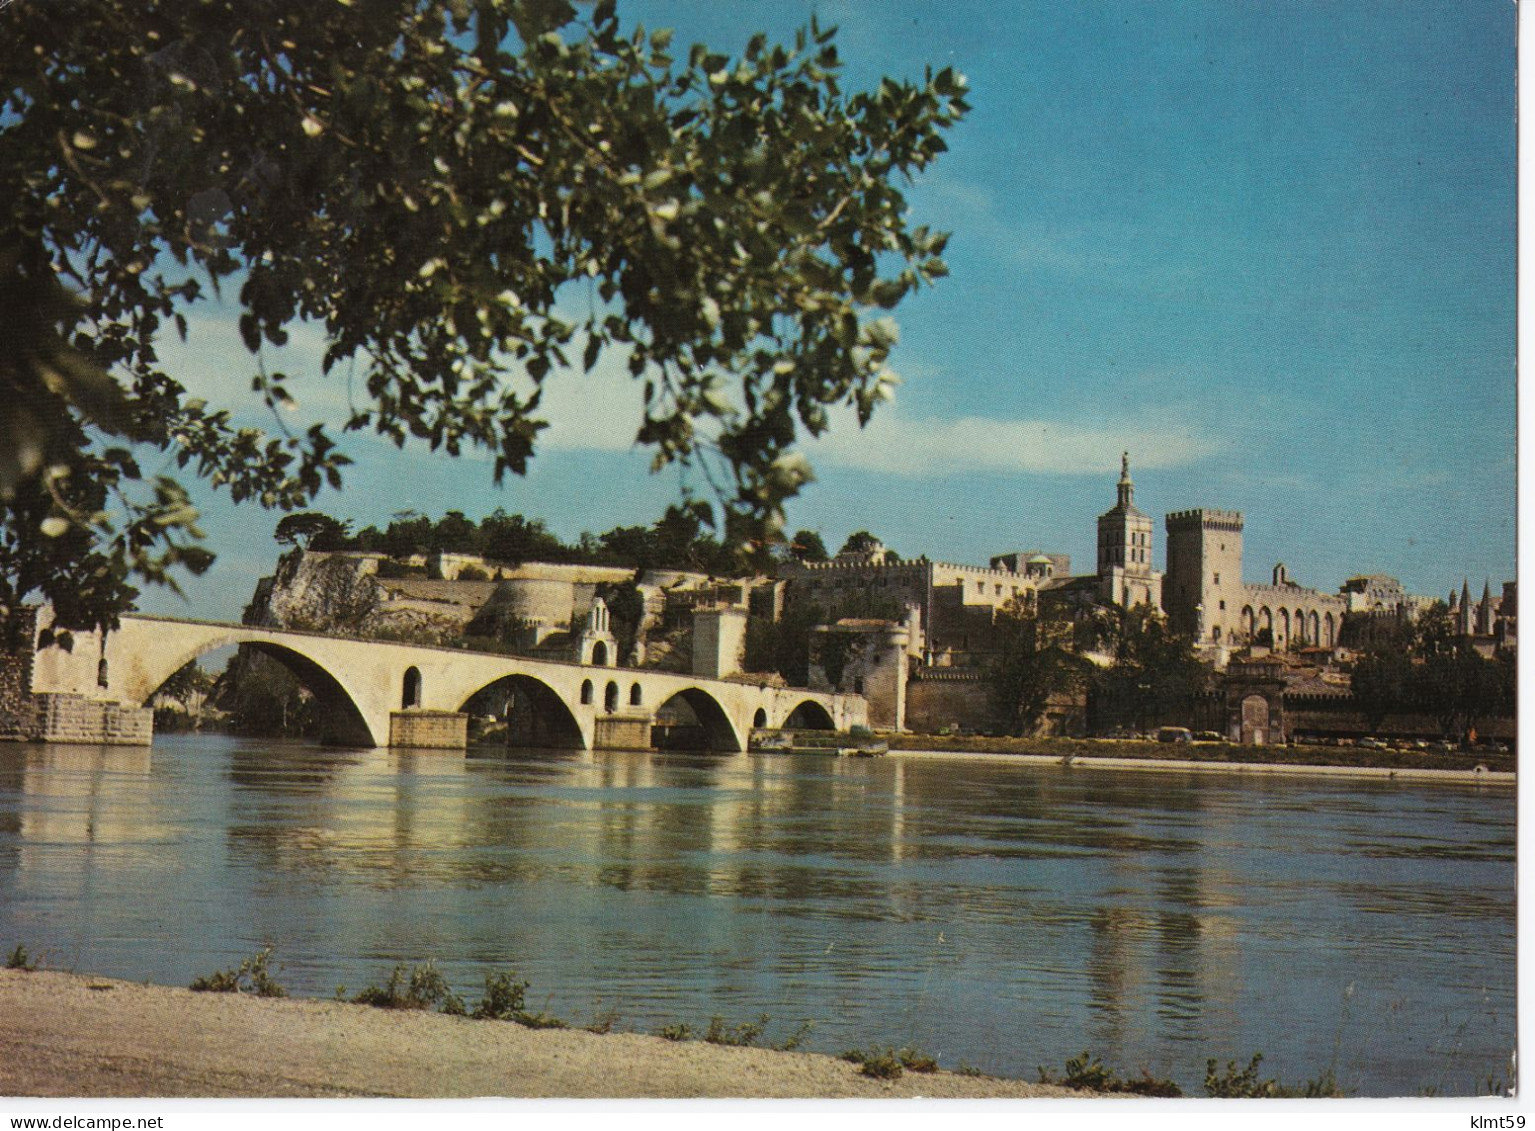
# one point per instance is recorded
(429, 730)
(621, 732)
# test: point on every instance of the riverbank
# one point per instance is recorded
(81, 1036)
(1488, 769)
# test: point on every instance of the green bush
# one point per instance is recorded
(681, 1031)
(252, 976)
(741, 1036)
(19, 959)
(880, 1064)
(915, 1060)
(1087, 1073)
(797, 1038)
(1239, 1083)
(506, 1000)
(423, 987)
(1246, 1083)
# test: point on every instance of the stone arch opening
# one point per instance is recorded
(1255, 721)
(692, 719)
(330, 714)
(1247, 622)
(523, 712)
(586, 692)
(610, 698)
(1314, 628)
(315, 703)
(410, 689)
(809, 715)
(636, 695)
(1300, 628)
(1328, 639)
(600, 654)
(759, 720)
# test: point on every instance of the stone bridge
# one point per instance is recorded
(378, 693)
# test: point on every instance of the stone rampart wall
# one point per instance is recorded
(932, 704)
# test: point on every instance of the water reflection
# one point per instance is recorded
(1006, 916)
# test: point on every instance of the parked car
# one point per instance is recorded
(1174, 734)
(1371, 743)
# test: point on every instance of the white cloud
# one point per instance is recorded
(602, 410)
(896, 444)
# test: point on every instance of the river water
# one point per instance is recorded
(999, 916)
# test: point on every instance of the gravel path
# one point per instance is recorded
(75, 1035)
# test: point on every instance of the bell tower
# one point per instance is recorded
(1124, 548)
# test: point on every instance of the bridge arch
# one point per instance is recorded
(533, 712)
(809, 715)
(346, 723)
(693, 717)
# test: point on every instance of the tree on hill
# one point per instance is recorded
(310, 530)
(427, 181)
(859, 543)
(513, 539)
(806, 546)
(455, 534)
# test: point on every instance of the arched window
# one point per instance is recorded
(610, 698)
(410, 695)
(600, 654)
(635, 696)
(586, 691)
(760, 718)
(101, 673)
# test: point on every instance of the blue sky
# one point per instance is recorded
(1267, 248)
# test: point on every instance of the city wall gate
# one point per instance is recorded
(375, 693)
